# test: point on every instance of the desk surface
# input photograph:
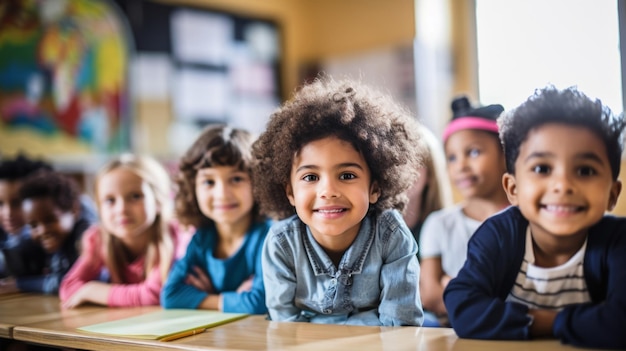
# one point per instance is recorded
(256, 333)
(40, 319)
(21, 309)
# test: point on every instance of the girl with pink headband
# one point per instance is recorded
(466, 117)
(475, 165)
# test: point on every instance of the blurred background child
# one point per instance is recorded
(475, 164)
(126, 258)
(51, 210)
(222, 267)
(19, 255)
(431, 192)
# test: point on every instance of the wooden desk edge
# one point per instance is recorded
(86, 341)
(6, 330)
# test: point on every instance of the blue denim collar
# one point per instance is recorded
(352, 260)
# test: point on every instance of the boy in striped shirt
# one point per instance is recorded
(554, 263)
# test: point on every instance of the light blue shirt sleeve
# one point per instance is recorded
(400, 302)
(280, 279)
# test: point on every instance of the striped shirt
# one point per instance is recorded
(550, 288)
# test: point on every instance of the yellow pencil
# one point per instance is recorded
(183, 334)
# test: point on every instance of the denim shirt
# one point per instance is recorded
(376, 282)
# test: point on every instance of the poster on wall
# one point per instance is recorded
(63, 81)
(226, 68)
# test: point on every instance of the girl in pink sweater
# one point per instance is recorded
(126, 258)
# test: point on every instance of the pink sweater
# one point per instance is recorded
(137, 292)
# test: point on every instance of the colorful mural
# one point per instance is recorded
(63, 77)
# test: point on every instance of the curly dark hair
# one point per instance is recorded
(568, 106)
(62, 190)
(217, 145)
(13, 169)
(386, 135)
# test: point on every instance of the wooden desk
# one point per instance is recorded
(256, 333)
(21, 309)
(12, 295)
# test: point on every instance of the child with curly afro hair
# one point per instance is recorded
(334, 165)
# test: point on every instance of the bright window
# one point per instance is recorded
(524, 45)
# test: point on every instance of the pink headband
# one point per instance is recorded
(469, 122)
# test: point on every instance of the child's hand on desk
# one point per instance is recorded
(200, 280)
(8, 285)
(77, 299)
(93, 291)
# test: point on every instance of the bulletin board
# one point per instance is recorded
(214, 66)
(63, 78)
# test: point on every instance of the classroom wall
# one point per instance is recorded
(346, 27)
(282, 11)
(464, 53)
(313, 30)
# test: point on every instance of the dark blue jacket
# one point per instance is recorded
(56, 264)
(475, 299)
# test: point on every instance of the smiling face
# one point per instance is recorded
(127, 204)
(475, 163)
(49, 225)
(11, 216)
(331, 189)
(224, 195)
(562, 182)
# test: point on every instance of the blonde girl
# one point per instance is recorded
(126, 258)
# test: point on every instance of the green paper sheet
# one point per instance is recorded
(165, 324)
